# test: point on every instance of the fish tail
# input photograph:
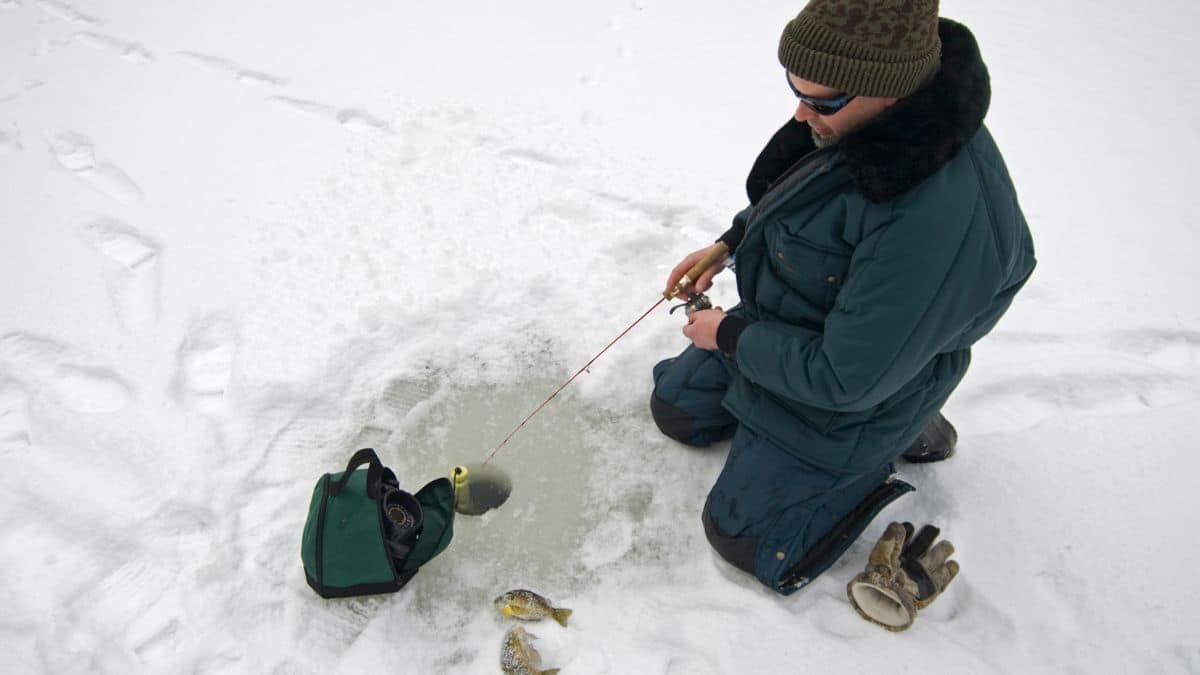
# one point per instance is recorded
(560, 615)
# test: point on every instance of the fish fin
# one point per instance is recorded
(560, 615)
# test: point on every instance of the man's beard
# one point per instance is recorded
(822, 141)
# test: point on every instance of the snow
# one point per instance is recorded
(239, 240)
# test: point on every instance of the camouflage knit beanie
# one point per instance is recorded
(885, 48)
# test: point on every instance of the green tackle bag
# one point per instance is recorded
(365, 535)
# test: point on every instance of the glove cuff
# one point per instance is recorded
(888, 606)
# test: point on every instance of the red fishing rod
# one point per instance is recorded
(468, 480)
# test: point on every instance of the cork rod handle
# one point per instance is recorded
(718, 252)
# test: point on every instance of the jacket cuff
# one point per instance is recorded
(732, 237)
(728, 332)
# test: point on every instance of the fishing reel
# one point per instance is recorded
(402, 521)
(695, 303)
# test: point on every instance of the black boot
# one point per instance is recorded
(934, 444)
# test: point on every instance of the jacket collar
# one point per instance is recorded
(922, 132)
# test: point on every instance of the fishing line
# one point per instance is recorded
(478, 488)
(569, 381)
(695, 301)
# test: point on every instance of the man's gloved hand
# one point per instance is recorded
(903, 575)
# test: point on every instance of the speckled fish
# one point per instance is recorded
(529, 606)
(518, 657)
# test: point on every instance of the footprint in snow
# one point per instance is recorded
(204, 363)
(332, 628)
(175, 517)
(134, 279)
(14, 416)
(534, 158)
(10, 4)
(830, 615)
(668, 216)
(121, 243)
(610, 541)
(10, 139)
(45, 45)
(134, 600)
(296, 430)
(360, 120)
(90, 388)
(62, 10)
(131, 51)
(159, 641)
(1187, 656)
(230, 69)
(1142, 369)
(15, 87)
(70, 377)
(75, 153)
(350, 118)
(690, 665)
(401, 397)
(1170, 348)
(1027, 398)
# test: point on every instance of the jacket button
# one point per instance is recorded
(779, 555)
(831, 280)
(779, 255)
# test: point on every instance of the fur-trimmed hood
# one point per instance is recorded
(908, 142)
(922, 132)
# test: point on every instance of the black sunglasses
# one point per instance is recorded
(821, 106)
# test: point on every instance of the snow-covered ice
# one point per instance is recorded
(209, 300)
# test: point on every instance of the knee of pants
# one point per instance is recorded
(787, 520)
(673, 422)
(686, 402)
(737, 551)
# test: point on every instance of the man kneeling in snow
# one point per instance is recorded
(882, 240)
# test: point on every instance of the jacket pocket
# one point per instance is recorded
(813, 271)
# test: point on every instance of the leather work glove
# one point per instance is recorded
(903, 575)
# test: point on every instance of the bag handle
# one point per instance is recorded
(374, 472)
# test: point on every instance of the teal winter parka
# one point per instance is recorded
(867, 270)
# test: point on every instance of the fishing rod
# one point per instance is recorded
(498, 485)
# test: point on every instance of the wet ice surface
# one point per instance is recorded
(210, 300)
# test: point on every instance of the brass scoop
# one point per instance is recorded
(479, 489)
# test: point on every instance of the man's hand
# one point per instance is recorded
(705, 281)
(702, 327)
